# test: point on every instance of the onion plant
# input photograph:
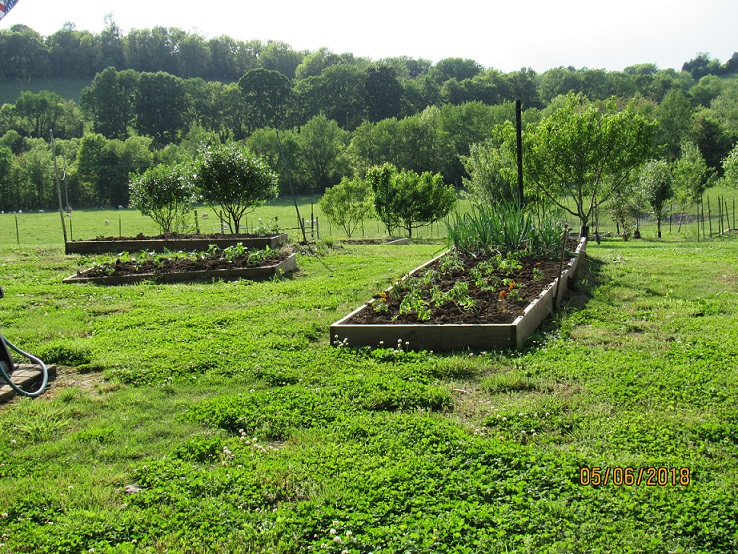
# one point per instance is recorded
(504, 228)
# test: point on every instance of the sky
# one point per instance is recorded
(537, 34)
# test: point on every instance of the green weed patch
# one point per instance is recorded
(221, 420)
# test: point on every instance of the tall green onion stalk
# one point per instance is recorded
(504, 228)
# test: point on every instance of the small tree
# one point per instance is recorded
(584, 153)
(408, 200)
(624, 207)
(730, 168)
(164, 193)
(690, 177)
(492, 174)
(657, 184)
(232, 177)
(347, 204)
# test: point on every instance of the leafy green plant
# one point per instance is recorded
(233, 178)
(503, 228)
(413, 303)
(348, 204)
(166, 194)
(408, 200)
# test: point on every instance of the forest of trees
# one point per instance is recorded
(161, 95)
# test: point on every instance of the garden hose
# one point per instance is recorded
(7, 367)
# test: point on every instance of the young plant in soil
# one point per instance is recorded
(502, 258)
(232, 257)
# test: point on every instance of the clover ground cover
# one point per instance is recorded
(242, 429)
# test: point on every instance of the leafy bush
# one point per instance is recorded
(232, 177)
(166, 194)
(408, 200)
(347, 204)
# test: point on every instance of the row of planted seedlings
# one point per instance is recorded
(225, 263)
(504, 272)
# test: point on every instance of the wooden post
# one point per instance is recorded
(17, 231)
(197, 224)
(709, 216)
(58, 188)
(727, 215)
(698, 223)
(317, 228)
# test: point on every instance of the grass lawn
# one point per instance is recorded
(217, 418)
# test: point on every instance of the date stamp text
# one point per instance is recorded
(635, 476)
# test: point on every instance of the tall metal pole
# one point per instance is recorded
(519, 136)
(58, 188)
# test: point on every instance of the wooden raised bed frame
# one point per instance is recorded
(450, 337)
(251, 273)
(173, 244)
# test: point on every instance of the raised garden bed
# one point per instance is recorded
(187, 243)
(127, 273)
(351, 331)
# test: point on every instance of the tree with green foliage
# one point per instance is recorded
(624, 207)
(36, 113)
(730, 168)
(585, 152)
(103, 166)
(348, 204)
(265, 93)
(492, 174)
(159, 105)
(690, 177)
(674, 122)
(407, 199)
(35, 171)
(231, 177)
(712, 138)
(338, 92)
(383, 92)
(657, 184)
(323, 152)
(108, 102)
(8, 195)
(166, 194)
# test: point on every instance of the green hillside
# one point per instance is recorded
(71, 89)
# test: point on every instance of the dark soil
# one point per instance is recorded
(177, 265)
(170, 236)
(493, 306)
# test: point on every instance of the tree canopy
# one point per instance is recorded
(585, 152)
(231, 177)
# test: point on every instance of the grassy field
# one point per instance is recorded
(46, 229)
(217, 418)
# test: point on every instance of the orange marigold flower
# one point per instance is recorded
(503, 294)
(512, 285)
